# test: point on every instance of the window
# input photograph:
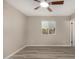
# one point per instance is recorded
(48, 27)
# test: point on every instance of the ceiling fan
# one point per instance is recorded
(46, 4)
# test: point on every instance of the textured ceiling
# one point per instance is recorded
(27, 7)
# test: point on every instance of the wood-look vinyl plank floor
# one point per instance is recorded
(45, 53)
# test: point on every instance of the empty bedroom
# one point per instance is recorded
(39, 29)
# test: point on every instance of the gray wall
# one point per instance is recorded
(62, 37)
(14, 29)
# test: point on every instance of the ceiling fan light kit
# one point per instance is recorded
(46, 4)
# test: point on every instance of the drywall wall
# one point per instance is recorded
(14, 29)
(35, 36)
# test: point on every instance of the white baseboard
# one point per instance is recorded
(15, 52)
(51, 45)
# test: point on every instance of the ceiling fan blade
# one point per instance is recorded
(37, 0)
(49, 9)
(56, 2)
(37, 8)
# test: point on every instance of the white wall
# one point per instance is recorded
(14, 29)
(61, 38)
